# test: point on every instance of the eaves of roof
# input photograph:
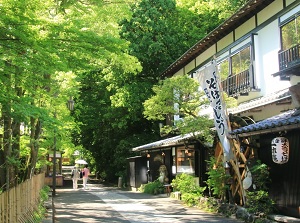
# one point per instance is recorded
(251, 8)
(173, 141)
(262, 101)
(286, 121)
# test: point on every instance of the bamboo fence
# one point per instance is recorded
(20, 203)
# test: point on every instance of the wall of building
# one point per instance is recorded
(284, 188)
(265, 25)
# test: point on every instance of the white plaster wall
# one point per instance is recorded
(206, 55)
(288, 2)
(225, 41)
(269, 11)
(190, 66)
(266, 47)
(180, 72)
(268, 111)
(245, 28)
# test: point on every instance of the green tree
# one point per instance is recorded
(105, 130)
(159, 32)
(38, 43)
(20, 52)
(51, 49)
(179, 95)
(147, 32)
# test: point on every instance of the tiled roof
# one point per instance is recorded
(166, 142)
(268, 99)
(285, 121)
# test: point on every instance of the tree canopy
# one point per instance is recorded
(180, 96)
(107, 56)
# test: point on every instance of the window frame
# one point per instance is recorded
(185, 157)
(231, 84)
(283, 24)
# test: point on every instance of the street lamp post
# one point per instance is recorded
(70, 106)
(54, 173)
(54, 163)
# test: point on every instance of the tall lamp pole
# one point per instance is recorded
(54, 173)
(54, 163)
(70, 106)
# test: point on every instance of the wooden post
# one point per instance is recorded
(236, 186)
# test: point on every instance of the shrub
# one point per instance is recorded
(190, 199)
(259, 202)
(217, 179)
(209, 204)
(39, 212)
(190, 192)
(44, 194)
(142, 188)
(260, 175)
(154, 187)
(186, 184)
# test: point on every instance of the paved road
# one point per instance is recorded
(108, 204)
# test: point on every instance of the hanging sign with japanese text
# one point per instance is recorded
(280, 150)
(210, 83)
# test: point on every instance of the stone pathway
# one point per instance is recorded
(105, 204)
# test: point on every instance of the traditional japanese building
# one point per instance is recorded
(256, 52)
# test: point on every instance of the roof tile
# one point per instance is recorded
(287, 118)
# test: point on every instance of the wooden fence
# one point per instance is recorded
(19, 203)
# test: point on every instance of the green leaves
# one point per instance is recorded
(147, 32)
(217, 178)
(186, 183)
(180, 90)
(107, 56)
(179, 96)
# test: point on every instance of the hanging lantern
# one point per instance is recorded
(280, 150)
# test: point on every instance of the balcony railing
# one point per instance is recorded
(238, 84)
(289, 57)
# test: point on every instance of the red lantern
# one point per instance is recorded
(280, 150)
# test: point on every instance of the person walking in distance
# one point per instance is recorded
(85, 173)
(75, 176)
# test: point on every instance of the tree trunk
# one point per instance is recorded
(16, 130)
(15, 149)
(2, 163)
(7, 144)
(6, 115)
(34, 146)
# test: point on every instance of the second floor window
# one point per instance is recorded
(235, 64)
(223, 69)
(289, 55)
(290, 35)
(240, 61)
(234, 71)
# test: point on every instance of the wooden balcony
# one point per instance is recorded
(289, 57)
(289, 62)
(238, 84)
